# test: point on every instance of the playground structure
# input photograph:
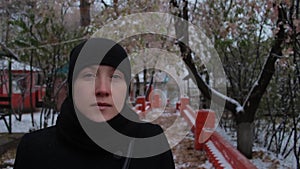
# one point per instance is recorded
(221, 154)
(19, 89)
(21, 85)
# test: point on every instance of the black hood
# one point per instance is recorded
(96, 51)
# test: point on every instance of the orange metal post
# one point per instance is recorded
(142, 101)
(205, 125)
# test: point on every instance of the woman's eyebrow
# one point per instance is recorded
(91, 68)
(118, 71)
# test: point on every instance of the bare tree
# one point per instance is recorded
(245, 112)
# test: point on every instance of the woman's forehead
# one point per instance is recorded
(101, 68)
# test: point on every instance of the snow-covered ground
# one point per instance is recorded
(25, 125)
(262, 158)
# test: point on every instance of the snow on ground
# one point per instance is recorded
(262, 158)
(25, 125)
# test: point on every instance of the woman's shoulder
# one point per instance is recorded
(34, 148)
(38, 138)
(41, 134)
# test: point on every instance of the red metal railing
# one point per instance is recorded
(219, 151)
(202, 122)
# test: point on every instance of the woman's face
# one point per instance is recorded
(99, 92)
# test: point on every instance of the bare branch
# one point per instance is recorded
(11, 53)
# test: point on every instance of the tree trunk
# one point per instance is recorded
(30, 89)
(137, 91)
(245, 135)
(116, 8)
(145, 81)
(85, 17)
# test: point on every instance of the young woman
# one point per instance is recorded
(96, 128)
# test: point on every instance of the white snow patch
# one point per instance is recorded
(224, 97)
(25, 125)
(16, 65)
(239, 109)
(207, 164)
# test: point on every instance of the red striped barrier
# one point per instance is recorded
(187, 112)
(205, 125)
(141, 106)
(141, 103)
(215, 157)
(219, 151)
(231, 154)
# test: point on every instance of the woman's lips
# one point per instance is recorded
(102, 106)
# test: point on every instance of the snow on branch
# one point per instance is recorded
(219, 98)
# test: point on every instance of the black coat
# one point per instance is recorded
(62, 147)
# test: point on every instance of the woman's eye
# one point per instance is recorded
(116, 76)
(89, 75)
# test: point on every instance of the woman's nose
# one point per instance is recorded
(102, 87)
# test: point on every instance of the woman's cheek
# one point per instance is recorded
(119, 96)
